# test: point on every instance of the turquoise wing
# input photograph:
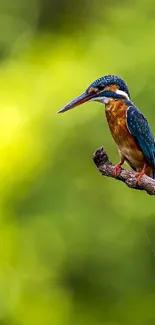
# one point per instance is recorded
(140, 129)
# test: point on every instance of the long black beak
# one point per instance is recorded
(77, 101)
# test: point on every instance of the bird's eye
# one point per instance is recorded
(100, 87)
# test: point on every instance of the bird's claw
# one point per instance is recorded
(139, 178)
(140, 174)
(116, 169)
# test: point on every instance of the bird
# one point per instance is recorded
(128, 126)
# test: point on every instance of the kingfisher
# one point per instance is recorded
(128, 126)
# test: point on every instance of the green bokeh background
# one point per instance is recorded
(75, 248)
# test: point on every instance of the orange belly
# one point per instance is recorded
(127, 146)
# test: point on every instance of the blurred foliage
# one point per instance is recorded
(75, 248)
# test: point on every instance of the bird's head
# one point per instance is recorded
(102, 90)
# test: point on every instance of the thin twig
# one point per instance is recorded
(127, 176)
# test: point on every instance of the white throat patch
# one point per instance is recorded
(103, 100)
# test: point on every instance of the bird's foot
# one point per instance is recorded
(140, 175)
(117, 168)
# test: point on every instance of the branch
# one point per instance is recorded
(126, 176)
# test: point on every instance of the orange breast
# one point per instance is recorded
(116, 117)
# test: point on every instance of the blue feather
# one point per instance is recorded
(108, 80)
(140, 129)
